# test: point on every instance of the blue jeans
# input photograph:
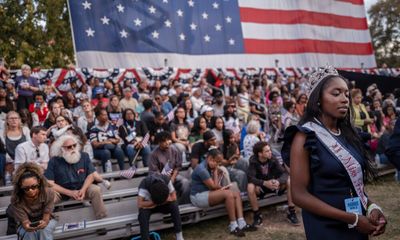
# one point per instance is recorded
(107, 152)
(2, 164)
(45, 234)
(130, 152)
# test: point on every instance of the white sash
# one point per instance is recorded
(351, 165)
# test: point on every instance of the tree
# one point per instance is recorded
(385, 31)
(36, 32)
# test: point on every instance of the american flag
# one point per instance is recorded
(146, 139)
(128, 173)
(220, 33)
(167, 170)
(170, 116)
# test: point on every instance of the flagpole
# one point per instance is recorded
(136, 156)
(72, 35)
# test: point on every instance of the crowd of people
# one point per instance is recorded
(231, 131)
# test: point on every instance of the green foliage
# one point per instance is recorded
(385, 31)
(36, 32)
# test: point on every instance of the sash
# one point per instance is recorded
(351, 165)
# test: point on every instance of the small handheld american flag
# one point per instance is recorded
(129, 173)
(167, 170)
(146, 139)
(170, 116)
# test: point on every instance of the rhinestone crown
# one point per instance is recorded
(315, 77)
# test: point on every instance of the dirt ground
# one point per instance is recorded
(385, 192)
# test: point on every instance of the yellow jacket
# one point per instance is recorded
(358, 122)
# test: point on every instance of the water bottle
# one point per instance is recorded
(184, 159)
(7, 179)
(108, 166)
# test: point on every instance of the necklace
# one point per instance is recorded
(333, 133)
(336, 134)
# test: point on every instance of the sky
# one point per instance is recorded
(368, 4)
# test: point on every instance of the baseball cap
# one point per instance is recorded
(164, 92)
(206, 108)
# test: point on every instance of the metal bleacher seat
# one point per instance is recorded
(121, 224)
(122, 221)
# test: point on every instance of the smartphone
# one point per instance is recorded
(227, 186)
(34, 224)
(37, 104)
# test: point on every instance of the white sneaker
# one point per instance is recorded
(107, 184)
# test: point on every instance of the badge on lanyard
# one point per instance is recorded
(131, 136)
(353, 205)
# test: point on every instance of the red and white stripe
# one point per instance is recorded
(129, 173)
(146, 139)
(308, 33)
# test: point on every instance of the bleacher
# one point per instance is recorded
(120, 202)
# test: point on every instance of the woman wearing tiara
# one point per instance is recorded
(328, 163)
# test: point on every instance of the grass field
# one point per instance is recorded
(385, 192)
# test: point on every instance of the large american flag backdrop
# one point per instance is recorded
(224, 33)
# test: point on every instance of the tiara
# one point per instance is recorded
(315, 77)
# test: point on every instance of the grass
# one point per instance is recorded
(385, 192)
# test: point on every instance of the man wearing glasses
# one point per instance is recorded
(34, 150)
(71, 174)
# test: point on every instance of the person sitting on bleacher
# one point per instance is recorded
(132, 132)
(200, 149)
(34, 150)
(105, 140)
(158, 125)
(32, 204)
(167, 160)
(157, 194)
(207, 191)
(71, 174)
(267, 175)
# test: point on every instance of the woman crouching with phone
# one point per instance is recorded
(207, 192)
(32, 203)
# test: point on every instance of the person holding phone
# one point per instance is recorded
(32, 203)
(207, 192)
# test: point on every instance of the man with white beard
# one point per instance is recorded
(70, 173)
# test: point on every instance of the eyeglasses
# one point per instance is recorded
(61, 120)
(32, 187)
(13, 118)
(37, 153)
(70, 147)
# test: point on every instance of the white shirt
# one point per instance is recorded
(26, 152)
(197, 103)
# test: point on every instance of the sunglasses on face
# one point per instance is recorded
(32, 187)
(70, 147)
